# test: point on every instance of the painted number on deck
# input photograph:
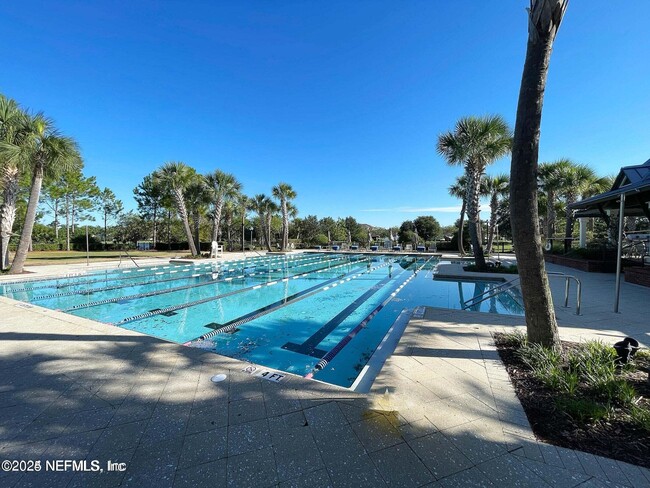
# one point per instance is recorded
(264, 373)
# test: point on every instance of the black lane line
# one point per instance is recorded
(232, 324)
(308, 348)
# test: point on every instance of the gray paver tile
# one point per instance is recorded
(208, 418)
(477, 448)
(355, 472)
(377, 433)
(400, 466)
(150, 472)
(248, 437)
(508, 470)
(555, 476)
(329, 444)
(119, 438)
(253, 469)
(242, 411)
(634, 475)
(206, 475)
(315, 479)
(612, 470)
(203, 447)
(470, 478)
(296, 453)
(440, 455)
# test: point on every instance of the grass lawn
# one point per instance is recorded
(62, 257)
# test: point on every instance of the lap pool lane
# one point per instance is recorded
(196, 314)
(294, 338)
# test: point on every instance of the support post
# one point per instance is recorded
(583, 231)
(619, 251)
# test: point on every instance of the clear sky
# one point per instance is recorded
(342, 99)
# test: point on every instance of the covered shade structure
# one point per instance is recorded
(630, 196)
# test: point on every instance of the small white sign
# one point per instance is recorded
(273, 376)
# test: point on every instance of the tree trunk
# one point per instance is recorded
(8, 212)
(197, 228)
(105, 229)
(545, 17)
(182, 210)
(30, 218)
(285, 226)
(67, 223)
(218, 206)
(269, 219)
(155, 226)
(550, 214)
(494, 203)
(56, 220)
(461, 227)
(473, 196)
(568, 227)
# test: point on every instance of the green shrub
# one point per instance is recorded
(594, 362)
(516, 339)
(641, 417)
(616, 391)
(582, 410)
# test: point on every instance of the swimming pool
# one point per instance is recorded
(320, 315)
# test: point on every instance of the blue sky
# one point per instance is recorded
(344, 100)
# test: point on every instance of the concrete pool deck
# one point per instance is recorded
(442, 411)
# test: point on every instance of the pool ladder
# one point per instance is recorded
(508, 285)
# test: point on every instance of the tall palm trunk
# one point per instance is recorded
(494, 203)
(196, 217)
(461, 228)
(550, 213)
(182, 211)
(269, 219)
(30, 217)
(67, 223)
(8, 211)
(155, 227)
(218, 207)
(568, 227)
(545, 17)
(285, 226)
(473, 196)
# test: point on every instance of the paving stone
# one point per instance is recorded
(612, 470)
(377, 433)
(167, 421)
(329, 444)
(355, 472)
(253, 469)
(206, 475)
(296, 453)
(470, 478)
(509, 471)
(207, 418)
(555, 476)
(248, 437)
(417, 428)
(325, 417)
(150, 473)
(203, 447)
(400, 467)
(440, 455)
(477, 448)
(242, 411)
(634, 474)
(315, 479)
(591, 465)
(119, 438)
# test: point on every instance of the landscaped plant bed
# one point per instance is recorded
(579, 402)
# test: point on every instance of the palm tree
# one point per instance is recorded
(475, 143)
(197, 197)
(544, 19)
(576, 180)
(495, 187)
(175, 177)
(264, 207)
(244, 205)
(223, 186)
(284, 192)
(550, 180)
(12, 125)
(459, 190)
(46, 153)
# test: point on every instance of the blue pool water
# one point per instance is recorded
(286, 313)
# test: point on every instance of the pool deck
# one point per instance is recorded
(442, 412)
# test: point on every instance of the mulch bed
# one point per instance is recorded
(615, 438)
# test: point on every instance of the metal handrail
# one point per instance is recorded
(568, 277)
(497, 290)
